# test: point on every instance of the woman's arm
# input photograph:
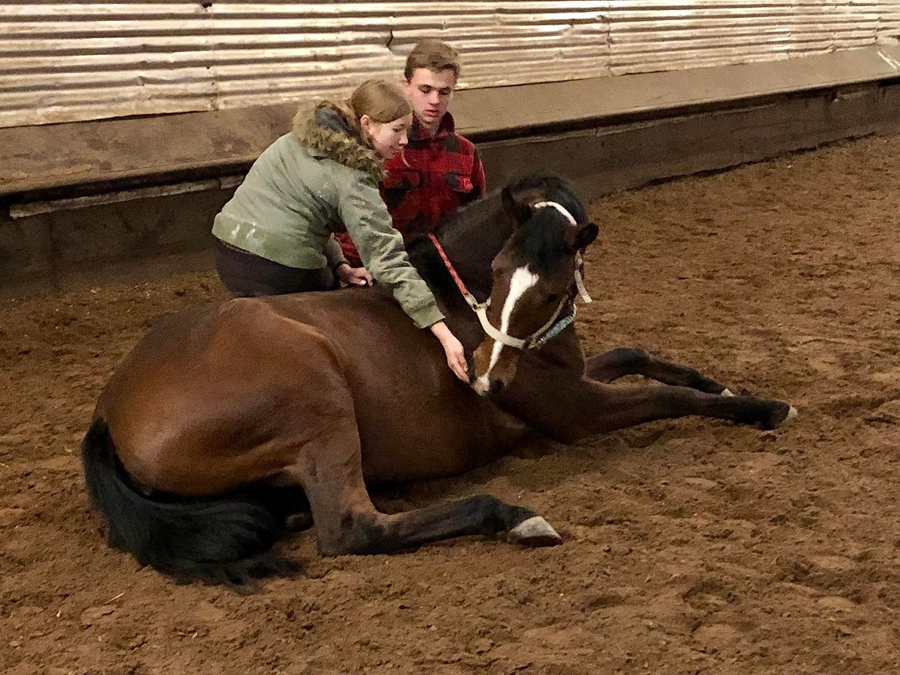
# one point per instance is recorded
(453, 350)
(381, 249)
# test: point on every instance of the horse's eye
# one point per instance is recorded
(552, 298)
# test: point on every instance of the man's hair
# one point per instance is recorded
(434, 55)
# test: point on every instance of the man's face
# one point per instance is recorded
(430, 94)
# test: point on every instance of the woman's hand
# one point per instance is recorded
(456, 355)
(353, 276)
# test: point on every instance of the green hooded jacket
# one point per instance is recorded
(317, 180)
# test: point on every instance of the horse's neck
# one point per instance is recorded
(473, 237)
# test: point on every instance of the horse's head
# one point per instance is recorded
(535, 279)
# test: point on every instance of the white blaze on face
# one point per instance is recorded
(521, 281)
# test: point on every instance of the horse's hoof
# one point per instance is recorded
(534, 532)
(726, 392)
(785, 414)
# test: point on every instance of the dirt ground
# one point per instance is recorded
(691, 546)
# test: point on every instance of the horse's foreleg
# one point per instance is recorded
(567, 407)
(627, 361)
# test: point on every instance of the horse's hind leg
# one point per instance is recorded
(482, 514)
(321, 442)
(627, 361)
(347, 522)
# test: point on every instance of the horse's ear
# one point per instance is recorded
(516, 210)
(584, 236)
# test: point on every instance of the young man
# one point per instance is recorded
(439, 171)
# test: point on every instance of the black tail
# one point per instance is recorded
(224, 541)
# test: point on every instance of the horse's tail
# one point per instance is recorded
(225, 541)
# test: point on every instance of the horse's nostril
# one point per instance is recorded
(496, 386)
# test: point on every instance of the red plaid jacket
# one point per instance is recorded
(430, 178)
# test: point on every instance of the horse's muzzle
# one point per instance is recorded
(485, 387)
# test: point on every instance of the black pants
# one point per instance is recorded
(248, 275)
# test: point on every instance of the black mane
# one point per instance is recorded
(557, 189)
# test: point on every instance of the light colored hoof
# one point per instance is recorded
(534, 532)
(792, 414)
(726, 392)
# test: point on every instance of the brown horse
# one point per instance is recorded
(325, 393)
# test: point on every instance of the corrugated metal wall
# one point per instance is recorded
(66, 61)
(671, 34)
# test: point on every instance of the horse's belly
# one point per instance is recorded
(427, 441)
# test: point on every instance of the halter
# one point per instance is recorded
(550, 329)
(579, 263)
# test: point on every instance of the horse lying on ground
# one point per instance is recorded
(218, 406)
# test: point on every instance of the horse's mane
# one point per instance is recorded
(425, 257)
(557, 189)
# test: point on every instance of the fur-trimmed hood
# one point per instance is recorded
(327, 132)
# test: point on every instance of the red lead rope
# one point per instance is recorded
(459, 282)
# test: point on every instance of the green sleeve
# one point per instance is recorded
(333, 252)
(381, 248)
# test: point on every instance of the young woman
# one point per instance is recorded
(276, 235)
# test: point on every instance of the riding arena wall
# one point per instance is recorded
(124, 128)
